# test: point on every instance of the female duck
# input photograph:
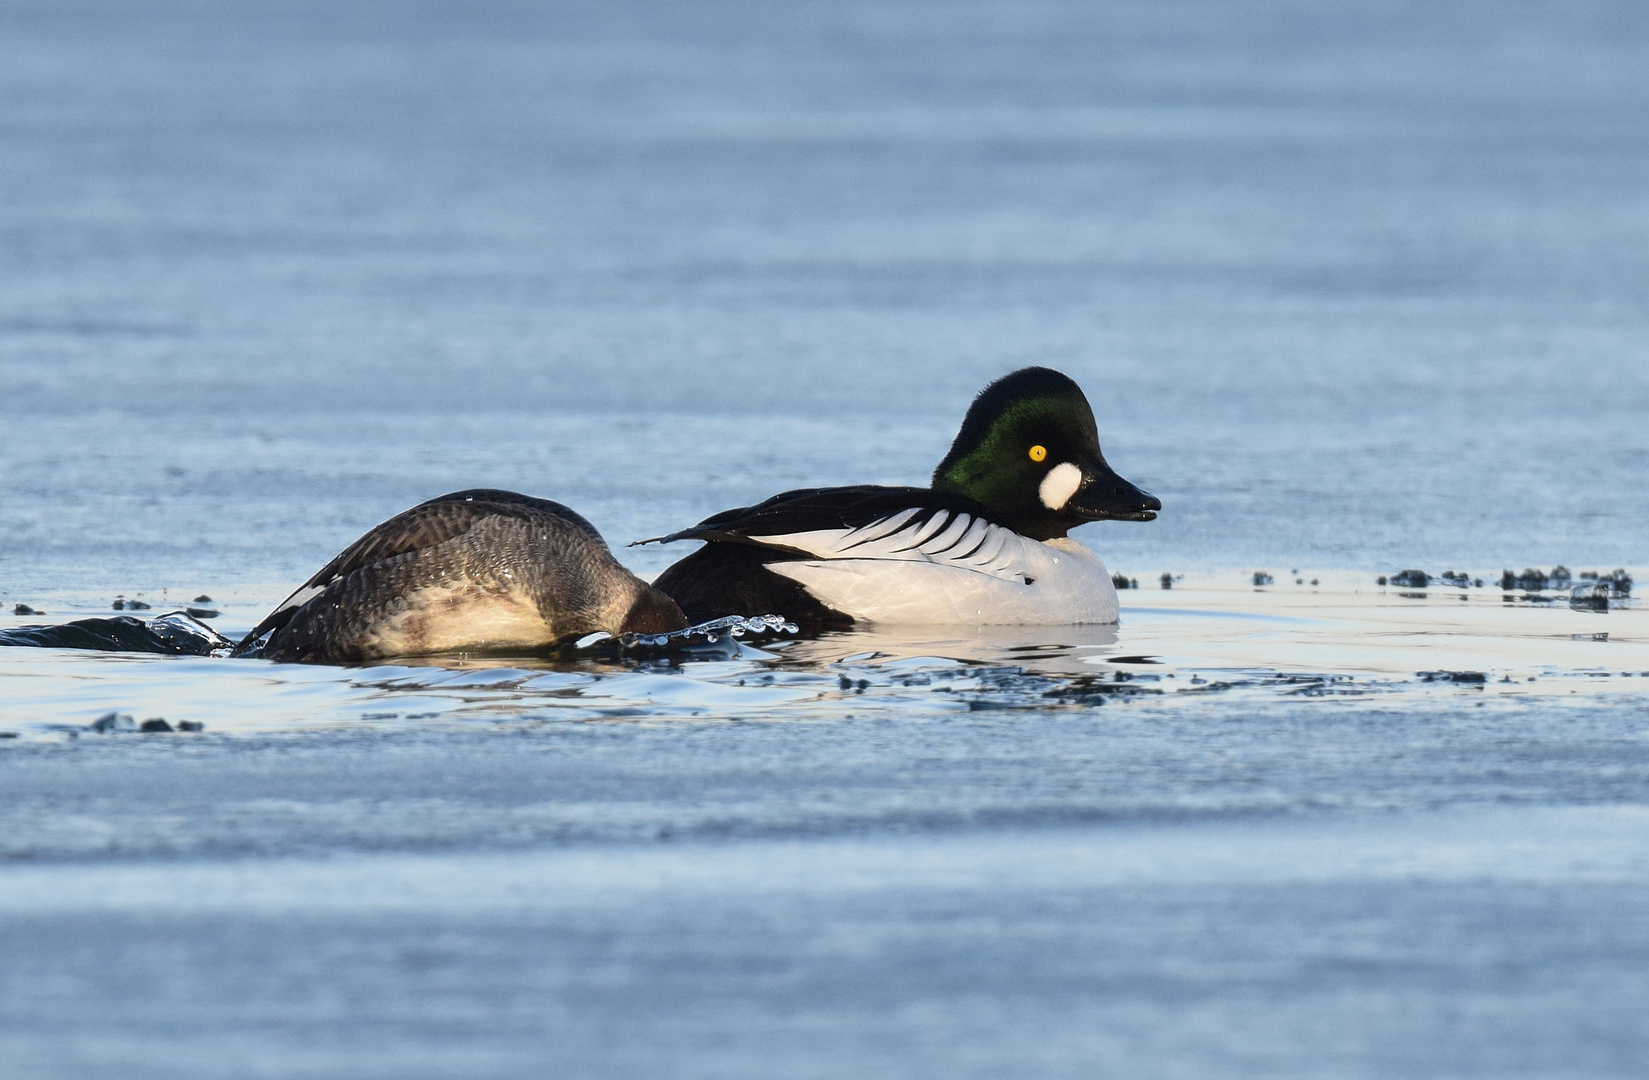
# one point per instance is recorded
(477, 571)
(986, 544)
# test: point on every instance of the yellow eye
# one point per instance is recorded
(1039, 453)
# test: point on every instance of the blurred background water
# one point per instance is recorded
(1352, 287)
(1349, 285)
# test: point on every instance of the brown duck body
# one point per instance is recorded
(474, 571)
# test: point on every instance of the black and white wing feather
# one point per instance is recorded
(876, 523)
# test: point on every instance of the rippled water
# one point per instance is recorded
(1352, 290)
(1192, 650)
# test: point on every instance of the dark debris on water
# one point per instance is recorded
(1560, 578)
(1295, 685)
(1590, 590)
(1097, 690)
(1476, 678)
(115, 722)
(1024, 690)
(1420, 579)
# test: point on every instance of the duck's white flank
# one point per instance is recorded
(953, 568)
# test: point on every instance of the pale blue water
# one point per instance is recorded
(1352, 288)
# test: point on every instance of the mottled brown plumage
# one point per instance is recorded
(474, 571)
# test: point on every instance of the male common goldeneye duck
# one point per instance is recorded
(986, 544)
(474, 571)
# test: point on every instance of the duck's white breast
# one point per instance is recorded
(1059, 582)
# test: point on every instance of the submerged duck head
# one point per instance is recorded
(1029, 451)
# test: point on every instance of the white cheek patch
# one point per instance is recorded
(1059, 485)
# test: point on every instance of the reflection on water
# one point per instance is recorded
(1188, 647)
(1073, 651)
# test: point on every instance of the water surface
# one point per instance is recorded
(1352, 289)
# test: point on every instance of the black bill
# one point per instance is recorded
(1105, 496)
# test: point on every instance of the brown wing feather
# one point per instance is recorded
(424, 526)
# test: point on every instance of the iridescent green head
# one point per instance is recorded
(1029, 451)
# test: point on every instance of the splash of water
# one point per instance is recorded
(717, 632)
